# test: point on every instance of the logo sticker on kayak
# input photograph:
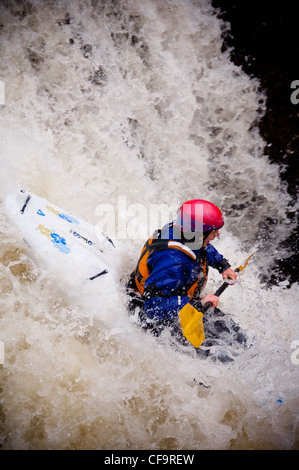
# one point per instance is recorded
(66, 217)
(59, 242)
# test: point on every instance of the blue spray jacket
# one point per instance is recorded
(171, 275)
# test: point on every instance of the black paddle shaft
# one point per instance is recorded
(217, 293)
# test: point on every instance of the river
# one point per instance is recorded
(125, 103)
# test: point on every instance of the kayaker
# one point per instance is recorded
(173, 266)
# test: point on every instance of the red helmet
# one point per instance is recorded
(198, 215)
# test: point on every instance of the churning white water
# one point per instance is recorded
(113, 101)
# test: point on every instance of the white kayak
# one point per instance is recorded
(70, 248)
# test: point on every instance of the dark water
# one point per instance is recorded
(263, 40)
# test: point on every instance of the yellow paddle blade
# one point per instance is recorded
(243, 265)
(192, 325)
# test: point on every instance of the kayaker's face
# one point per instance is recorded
(210, 237)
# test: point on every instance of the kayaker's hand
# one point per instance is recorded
(229, 274)
(210, 298)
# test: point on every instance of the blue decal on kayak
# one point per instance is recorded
(59, 243)
(68, 218)
(39, 212)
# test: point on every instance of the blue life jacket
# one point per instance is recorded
(171, 274)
